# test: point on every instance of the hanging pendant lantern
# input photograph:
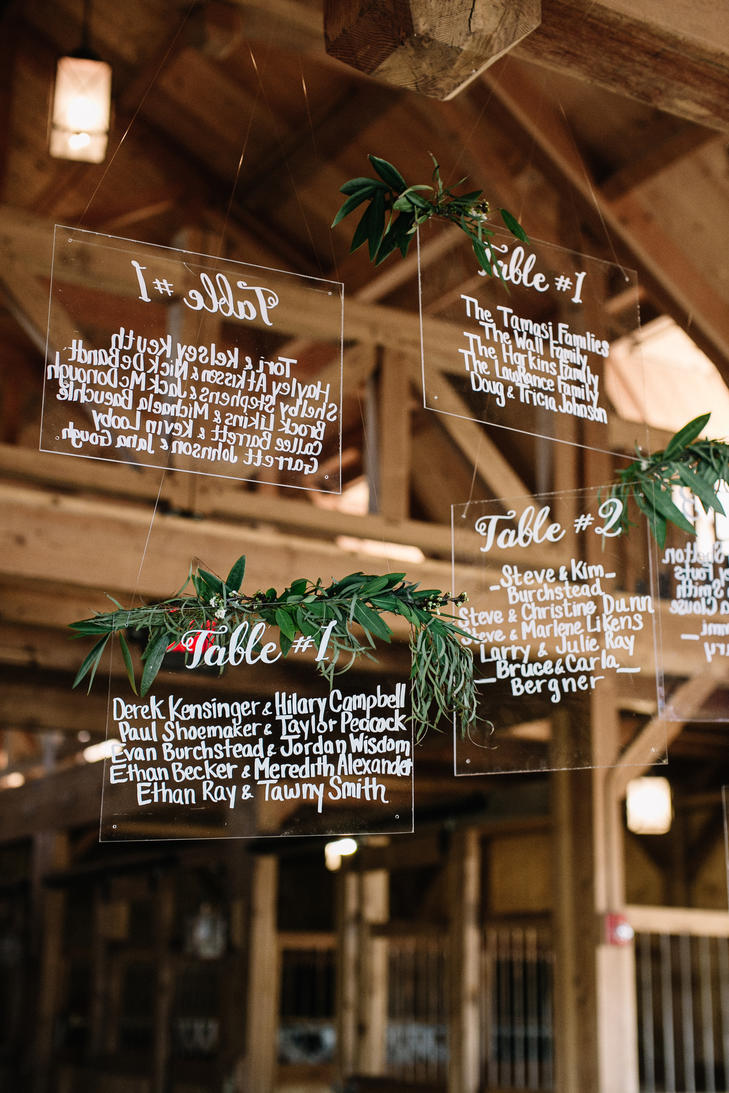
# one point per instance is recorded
(81, 107)
(649, 806)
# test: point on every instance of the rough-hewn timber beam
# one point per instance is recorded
(100, 544)
(435, 48)
(674, 56)
(212, 498)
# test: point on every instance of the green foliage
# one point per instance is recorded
(395, 210)
(686, 461)
(442, 668)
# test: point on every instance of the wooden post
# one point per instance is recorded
(238, 885)
(347, 885)
(394, 437)
(617, 1018)
(464, 887)
(263, 979)
(98, 1009)
(164, 903)
(574, 937)
(595, 1006)
(372, 1025)
(50, 852)
(595, 1009)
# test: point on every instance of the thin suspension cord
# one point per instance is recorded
(138, 108)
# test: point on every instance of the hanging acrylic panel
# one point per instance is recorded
(180, 360)
(693, 577)
(528, 348)
(561, 624)
(267, 748)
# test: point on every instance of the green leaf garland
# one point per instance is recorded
(395, 210)
(442, 667)
(698, 465)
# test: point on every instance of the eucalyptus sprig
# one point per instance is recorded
(442, 668)
(395, 210)
(698, 465)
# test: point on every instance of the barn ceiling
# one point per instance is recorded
(605, 130)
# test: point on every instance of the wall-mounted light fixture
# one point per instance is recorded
(81, 107)
(649, 806)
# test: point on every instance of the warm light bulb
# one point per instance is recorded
(81, 109)
(105, 749)
(335, 851)
(649, 806)
(13, 780)
(78, 140)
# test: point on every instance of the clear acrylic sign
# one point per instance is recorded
(555, 619)
(693, 575)
(526, 349)
(181, 360)
(266, 749)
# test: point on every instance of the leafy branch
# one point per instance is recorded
(698, 465)
(442, 668)
(395, 210)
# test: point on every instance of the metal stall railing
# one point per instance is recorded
(682, 983)
(306, 1028)
(417, 1022)
(517, 1008)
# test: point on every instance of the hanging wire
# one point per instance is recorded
(281, 142)
(244, 148)
(335, 264)
(173, 41)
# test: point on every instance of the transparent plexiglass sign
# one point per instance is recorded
(559, 614)
(527, 349)
(268, 748)
(693, 576)
(173, 359)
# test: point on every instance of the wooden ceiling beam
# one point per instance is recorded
(416, 45)
(202, 496)
(288, 23)
(441, 476)
(51, 574)
(101, 545)
(40, 706)
(306, 150)
(673, 56)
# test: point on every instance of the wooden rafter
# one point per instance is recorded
(649, 746)
(673, 56)
(662, 264)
